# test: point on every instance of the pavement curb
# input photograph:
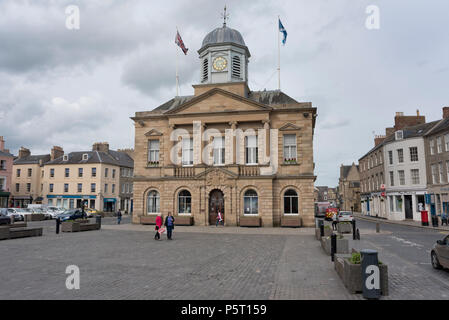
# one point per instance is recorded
(397, 223)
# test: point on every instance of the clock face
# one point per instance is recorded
(220, 63)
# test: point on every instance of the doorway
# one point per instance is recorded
(216, 203)
(408, 207)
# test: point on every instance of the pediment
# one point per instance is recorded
(153, 132)
(217, 174)
(289, 127)
(217, 100)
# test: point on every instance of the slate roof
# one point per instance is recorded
(419, 130)
(442, 125)
(223, 35)
(272, 98)
(5, 154)
(112, 157)
(33, 159)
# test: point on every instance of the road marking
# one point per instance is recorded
(409, 243)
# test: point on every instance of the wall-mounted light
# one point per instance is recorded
(306, 115)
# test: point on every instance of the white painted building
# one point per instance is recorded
(405, 173)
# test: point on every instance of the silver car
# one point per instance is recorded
(17, 213)
(345, 216)
(440, 254)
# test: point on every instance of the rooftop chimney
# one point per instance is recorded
(401, 121)
(56, 152)
(378, 140)
(2, 144)
(101, 146)
(24, 152)
(445, 112)
(389, 131)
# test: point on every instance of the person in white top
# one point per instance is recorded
(219, 219)
(334, 221)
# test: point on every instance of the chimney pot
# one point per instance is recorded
(445, 112)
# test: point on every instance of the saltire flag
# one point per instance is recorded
(180, 43)
(284, 32)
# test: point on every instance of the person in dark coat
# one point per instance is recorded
(170, 225)
(119, 216)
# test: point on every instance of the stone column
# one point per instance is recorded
(266, 127)
(170, 144)
(233, 125)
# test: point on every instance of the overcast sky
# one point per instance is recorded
(75, 87)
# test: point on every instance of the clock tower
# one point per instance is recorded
(224, 57)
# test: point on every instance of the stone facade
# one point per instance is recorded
(249, 174)
(6, 160)
(349, 188)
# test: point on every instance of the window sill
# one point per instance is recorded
(184, 214)
(291, 214)
(250, 214)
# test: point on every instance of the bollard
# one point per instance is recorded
(353, 230)
(358, 234)
(322, 230)
(370, 274)
(98, 218)
(333, 246)
(58, 223)
(377, 227)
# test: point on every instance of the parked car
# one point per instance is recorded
(440, 254)
(42, 211)
(91, 212)
(54, 211)
(72, 215)
(345, 216)
(4, 219)
(17, 213)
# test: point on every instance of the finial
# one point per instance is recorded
(224, 15)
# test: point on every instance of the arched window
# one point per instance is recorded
(184, 202)
(291, 202)
(236, 67)
(205, 69)
(153, 202)
(251, 202)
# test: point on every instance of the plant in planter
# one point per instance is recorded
(153, 163)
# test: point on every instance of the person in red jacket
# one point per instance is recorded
(157, 236)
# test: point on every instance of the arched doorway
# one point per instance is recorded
(216, 202)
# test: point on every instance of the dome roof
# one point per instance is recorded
(223, 35)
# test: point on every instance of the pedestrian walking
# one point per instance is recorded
(158, 226)
(219, 219)
(334, 221)
(170, 225)
(119, 216)
(444, 218)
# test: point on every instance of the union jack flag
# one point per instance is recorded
(180, 43)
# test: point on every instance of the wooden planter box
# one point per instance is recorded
(18, 225)
(184, 220)
(293, 222)
(342, 245)
(4, 232)
(70, 226)
(327, 233)
(249, 221)
(25, 232)
(148, 219)
(351, 274)
(7, 233)
(344, 227)
(34, 217)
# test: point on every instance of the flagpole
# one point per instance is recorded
(279, 55)
(177, 74)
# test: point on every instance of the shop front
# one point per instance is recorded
(70, 201)
(21, 201)
(109, 204)
(4, 199)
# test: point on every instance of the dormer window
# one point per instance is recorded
(399, 135)
(65, 157)
(85, 156)
(236, 67)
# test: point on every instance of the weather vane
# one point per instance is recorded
(225, 16)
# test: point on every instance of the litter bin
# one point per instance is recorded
(434, 220)
(424, 218)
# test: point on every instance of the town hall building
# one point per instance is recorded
(246, 154)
